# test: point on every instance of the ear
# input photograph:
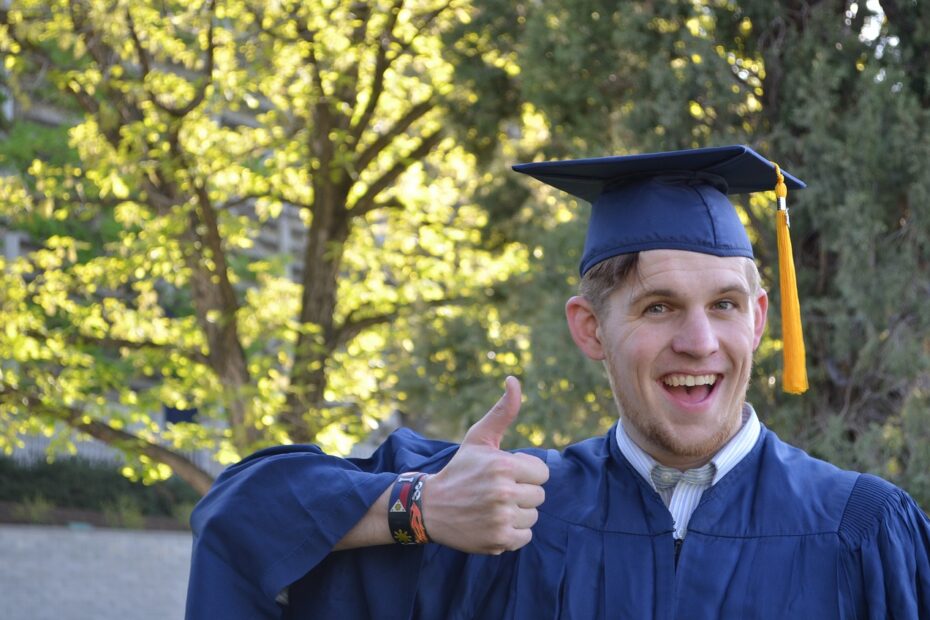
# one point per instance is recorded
(760, 313)
(584, 327)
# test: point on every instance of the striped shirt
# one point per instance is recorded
(684, 497)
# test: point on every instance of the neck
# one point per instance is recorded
(679, 463)
(670, 452)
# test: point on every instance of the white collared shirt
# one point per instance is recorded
(684, 497)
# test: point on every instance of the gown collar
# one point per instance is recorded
(724, 460)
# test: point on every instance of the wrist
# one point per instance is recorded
(405, 510)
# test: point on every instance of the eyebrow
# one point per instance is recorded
(667, 293)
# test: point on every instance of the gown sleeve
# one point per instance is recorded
(887, 564)
(273, 517)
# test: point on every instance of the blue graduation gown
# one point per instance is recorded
(782, 535)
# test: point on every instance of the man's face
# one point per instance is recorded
(677, 339)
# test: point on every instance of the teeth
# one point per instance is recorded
(689, 380)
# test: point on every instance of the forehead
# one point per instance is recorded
(684, 272)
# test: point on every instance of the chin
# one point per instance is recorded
(691, 445)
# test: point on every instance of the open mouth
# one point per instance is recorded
(690, 389)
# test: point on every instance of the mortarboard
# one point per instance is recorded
(678, 200)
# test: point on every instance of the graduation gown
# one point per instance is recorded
(782, 535)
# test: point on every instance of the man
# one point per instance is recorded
(687, 508)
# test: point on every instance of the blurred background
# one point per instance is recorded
(228, 224)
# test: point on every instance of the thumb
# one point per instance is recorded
(490, 429)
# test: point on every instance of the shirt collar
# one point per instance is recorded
(724, 460)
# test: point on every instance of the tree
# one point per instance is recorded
(428, 281)
(834, 91)
(848, 101)
(191, 128)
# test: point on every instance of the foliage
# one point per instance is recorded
(124, 513)
(381, 131)
(87, 485)
(834, 91)
(197, 126)
(34, 509)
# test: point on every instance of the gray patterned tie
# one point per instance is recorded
(667, 477)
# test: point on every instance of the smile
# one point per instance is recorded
(689, 380)
(691, 389)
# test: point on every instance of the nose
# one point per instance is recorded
(696, 336)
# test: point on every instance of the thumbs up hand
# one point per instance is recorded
(485, 499)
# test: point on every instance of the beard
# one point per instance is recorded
(655, 434)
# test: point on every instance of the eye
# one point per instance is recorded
(725, 304)
(656, 309)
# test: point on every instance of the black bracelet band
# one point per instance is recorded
(405, 510)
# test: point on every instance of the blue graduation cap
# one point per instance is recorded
(677, 200)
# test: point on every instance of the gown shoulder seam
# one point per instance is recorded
(866, 508)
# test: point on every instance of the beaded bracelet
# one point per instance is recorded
(405, 515)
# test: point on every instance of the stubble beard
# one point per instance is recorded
(656, 435)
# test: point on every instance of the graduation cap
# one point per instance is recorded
(678, 200)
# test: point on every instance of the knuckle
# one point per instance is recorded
(523, 539)
(500, 520)
(495, 492)
(500, 540)
(540, 496)
(504, 493)
(500, 466)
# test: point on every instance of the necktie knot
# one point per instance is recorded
(667, 477)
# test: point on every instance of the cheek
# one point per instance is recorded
(633, 355)
(741, 349)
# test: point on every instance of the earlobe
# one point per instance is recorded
(584, 327)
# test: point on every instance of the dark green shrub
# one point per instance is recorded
(78, 483)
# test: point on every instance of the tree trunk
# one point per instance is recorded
(329, 231)
(216, 306)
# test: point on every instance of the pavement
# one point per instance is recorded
(84, 573)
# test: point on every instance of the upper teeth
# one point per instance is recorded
(689, 380)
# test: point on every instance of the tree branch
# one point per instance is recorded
(213, 240)
(118, 438)
(384, 140)
(92, 39)
(103, 56)
(382, 63)
(353, 325)
(347, 93)
(121, 343)
(430, 18)
(309, 37)
(143, 56)
(87, 103)
(205, 80)
(367, 202)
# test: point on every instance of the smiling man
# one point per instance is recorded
(677, 341)
(687, 508)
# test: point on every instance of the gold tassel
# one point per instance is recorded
(794, 380)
